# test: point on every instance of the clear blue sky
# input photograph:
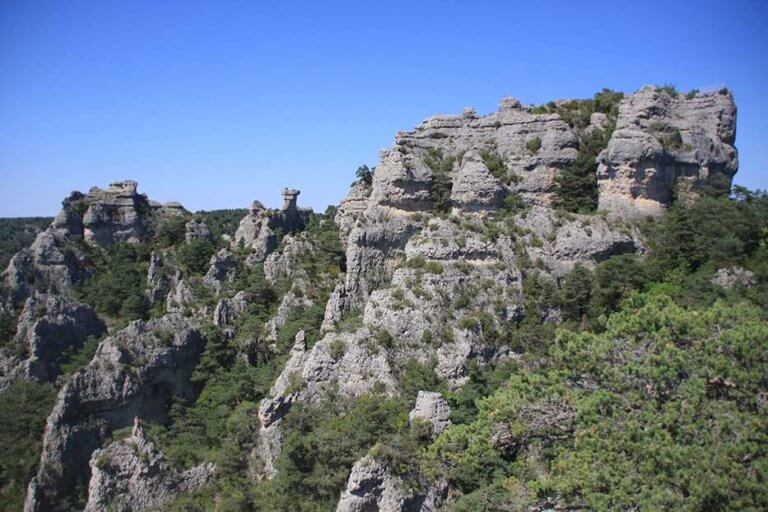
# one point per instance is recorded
(217, 103)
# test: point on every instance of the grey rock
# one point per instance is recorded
(227, 311)
(730, 277)
(117, 214)
(158, 281)
(432, 407)
(664, 146)
(284, 264)
(260, 227)
(372, 487)
(197, 230)
(134, 372)
(222, 269)
(132, 475)
(48, 326)
(474, 187)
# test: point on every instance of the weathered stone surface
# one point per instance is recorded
(474, 187)
(561, 241)
(197, 229)
(372, 487)
(131, 475)
(227, 311)
(432, 407)
(179, 298)
(259, 229)
(729, 277)
(117, 214)
(663, 145)
(158, 281)
(506, 132)
(285, 264)
(222, 269)
(48, 326)
(134, 372)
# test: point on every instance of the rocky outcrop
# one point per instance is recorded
(372, 487)
(222, 269)
(197, 229)
(48, 327)
(507, 133)
(260, 228)
(57, 259)
(117, 214)
(285, 264)
(474, 187)
(665, 146)
(729, 277)
(134, 372)
(158, 281)
(227, 310)
(131, 475)
(433, 408)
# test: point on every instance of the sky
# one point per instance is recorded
(217, 103)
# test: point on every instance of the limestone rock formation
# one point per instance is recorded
(131, 475)
(49, 325)
(259, 229)
(197, 229)
(222, 269)
(729, 277)
(474, 187)
(666, 145)
(117, 214)
(432, 407)
(228, 310)
(134, 372)
(372, 487)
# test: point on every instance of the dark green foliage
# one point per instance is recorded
(364, 174)
(577, 185)
(533, 145)
(414, 377)
(614, 280)
(222, 222)
(7, 327)
(171, 231)
(669, 89)
(714, 232)
(74, 360)
(194, 256)
(24, 407)
(17, 233)
(440, 189)
(323, 443)
(307, 319)
(496, 165)
(576, 293)
(664, 388)
(117, 288)
(217, 423)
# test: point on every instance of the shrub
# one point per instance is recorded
(533, 145)
(194, 256)
(24, 407)
(441, 186)
(337, 348)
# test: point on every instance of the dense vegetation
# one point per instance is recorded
(577, 185)
(24, 406)
(651, 394)
(17, 233)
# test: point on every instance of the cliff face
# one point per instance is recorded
(667, 146)
(437, 245)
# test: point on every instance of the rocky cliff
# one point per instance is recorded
(434, 259)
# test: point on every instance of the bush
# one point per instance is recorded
(337, 349)
(194, 256)
(117, 288)
(171, 231)
(533, 145)
(440, 189)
